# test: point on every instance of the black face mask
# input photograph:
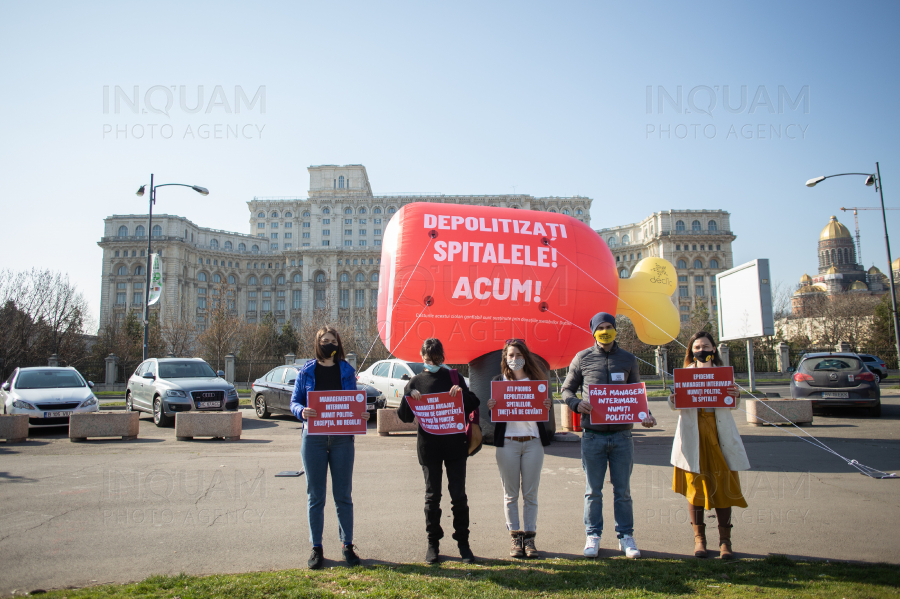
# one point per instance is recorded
(329, 349)
(704, 356)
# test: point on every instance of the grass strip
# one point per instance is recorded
(774, 576)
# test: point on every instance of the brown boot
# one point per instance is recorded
(699, 540)
(517, 543)
(725, 542)
(530, 549)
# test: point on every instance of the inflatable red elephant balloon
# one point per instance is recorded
(475, 276)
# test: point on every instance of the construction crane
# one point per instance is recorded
(856, 220)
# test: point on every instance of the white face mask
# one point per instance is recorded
(515, 363)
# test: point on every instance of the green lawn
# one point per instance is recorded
(775, 576)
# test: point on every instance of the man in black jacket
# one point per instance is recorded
(438, 451)
(604, 445)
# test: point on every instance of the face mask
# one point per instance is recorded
(329, 349)
(605, 336)
(515, 363)
(432, 368)
(704, 356)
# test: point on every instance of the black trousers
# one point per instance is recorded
(456, 485)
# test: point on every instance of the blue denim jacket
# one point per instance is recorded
(306, 382)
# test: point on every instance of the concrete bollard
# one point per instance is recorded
(208, 424)
(104, 424)
(775, 411)
(388, 422)
(14, 427)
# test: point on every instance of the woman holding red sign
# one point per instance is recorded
(439, 451)
(520, 451)
(328, 372)
(707, 455)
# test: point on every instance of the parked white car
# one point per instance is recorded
(48, 395)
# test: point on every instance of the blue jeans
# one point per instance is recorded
(319, 453)
(598, 450)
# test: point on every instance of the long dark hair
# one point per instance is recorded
(689, 353)
(320, 353)
(534, 368)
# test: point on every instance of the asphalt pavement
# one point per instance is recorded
(113, 511)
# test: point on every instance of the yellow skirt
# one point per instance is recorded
(715, 486)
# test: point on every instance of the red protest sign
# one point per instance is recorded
(519, 401)
(618, 404)
(703, 387)
(339, 412)
(438, 413)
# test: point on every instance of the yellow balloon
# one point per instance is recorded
(644, 298)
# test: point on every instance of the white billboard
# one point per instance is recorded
(745, 301)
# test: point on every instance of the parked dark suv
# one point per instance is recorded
(876, 365)
(836, 380)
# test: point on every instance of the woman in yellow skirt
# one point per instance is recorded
(708, 454)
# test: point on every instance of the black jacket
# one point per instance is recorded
(431, 447)
(594, 366)
(500, 428)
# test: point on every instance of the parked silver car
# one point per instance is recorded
(165, 386)
(48, 395)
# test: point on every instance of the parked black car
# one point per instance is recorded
(876, 365)
(836, 380)
(272, 392)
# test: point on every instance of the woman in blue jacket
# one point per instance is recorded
(328, 372)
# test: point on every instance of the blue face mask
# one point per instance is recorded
(431, 367)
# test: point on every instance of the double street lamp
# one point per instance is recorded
(140, 193)
(875, 179)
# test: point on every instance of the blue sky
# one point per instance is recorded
(456, 98)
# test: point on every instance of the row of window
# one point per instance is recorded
(697, 264)
(281, 279)
(696, 226)
(140, 231)
(836, 256)
(134, 253)
(326, 210)
(698, 291)
(693, 247)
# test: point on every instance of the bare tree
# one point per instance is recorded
(223, 328)
(179, 333)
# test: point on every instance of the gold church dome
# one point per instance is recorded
(818, 288)
(805, 279)
(834, 230)
(858, 286)
(833, 271)
(875, 271)
(895, 265)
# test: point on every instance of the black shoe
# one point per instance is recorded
(432, 556)
(465, 552)
(350, 555)
(316, 559)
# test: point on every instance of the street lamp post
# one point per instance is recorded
(140, 192)
(875, 179)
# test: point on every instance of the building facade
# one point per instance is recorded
(839, 272)
(697, 242)
(303, 256)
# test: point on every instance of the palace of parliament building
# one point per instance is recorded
(323, 253)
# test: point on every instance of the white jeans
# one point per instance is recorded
(520, 465)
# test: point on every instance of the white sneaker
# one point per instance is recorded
(592, 547)
(627, 544)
